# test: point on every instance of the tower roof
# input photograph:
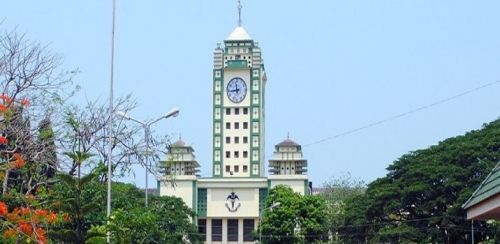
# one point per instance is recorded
(179, 143)
(239, 34)
(287, 143)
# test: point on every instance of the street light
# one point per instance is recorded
(274, 205)
(174, 112)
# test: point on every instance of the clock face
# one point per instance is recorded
(236, 90)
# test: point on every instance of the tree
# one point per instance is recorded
(86, 129)
(298, 219)
(72, 202)
(335, 192)
(26, 78)
(420, 198)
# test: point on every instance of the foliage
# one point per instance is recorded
(298, 219)
(76, 206)
(420, 198)
(335, 192)
(165, 220)
(27, 222)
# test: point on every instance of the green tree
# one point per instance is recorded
(72, 202)
(420, 198)
(335, 192)
(166, 220)
(298, 219)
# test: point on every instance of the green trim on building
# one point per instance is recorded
(237, 64)
(306, 187)
(202, 203)
(263, 193)
(221, 120)
(195, 202)
(195, 197)
(158, 187)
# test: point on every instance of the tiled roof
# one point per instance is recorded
(488, 188)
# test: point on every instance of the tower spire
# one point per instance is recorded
(239, 12)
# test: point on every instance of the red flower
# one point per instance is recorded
(66, 217)
(3, 108)
(25, 102)
(52, 218)
(19, 161)
(9, 233)
(3, 209)
(22, 211)
(3, 140)
(41, 213)
(40, 235)
(6, 98)
(26, 228)
(12, 217)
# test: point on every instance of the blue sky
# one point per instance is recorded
(332, 66)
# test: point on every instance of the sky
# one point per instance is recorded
(332, 67)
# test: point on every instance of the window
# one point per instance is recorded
(236, 154)
(245, 139)
(228, 125)
(236, 111)
(228, 154)
(248, 226)
(245, 154)
(232, 230)
(236, 169)
(202, 229)
(228, 139)
(245, 168)
(216, 229)
(236, 140)
(228, 111)
(245, 125)
(245, 110)
(236, 125)
(228, 168)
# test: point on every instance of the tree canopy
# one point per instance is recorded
(297, 219)
(420, 198)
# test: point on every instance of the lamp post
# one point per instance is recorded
(174, 112)
(274, 205)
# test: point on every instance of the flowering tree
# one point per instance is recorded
(29, 220)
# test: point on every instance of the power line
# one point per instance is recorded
(397, 116)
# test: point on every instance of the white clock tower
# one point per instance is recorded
(230, 203)
(238, 115)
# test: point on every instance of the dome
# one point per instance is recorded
(287, 143)
(239, 34)
(179, 143)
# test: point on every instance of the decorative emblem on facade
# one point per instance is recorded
(233, 202)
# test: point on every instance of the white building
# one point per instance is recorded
(229, 203)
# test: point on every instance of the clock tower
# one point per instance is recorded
(238, 107)
(229, 205)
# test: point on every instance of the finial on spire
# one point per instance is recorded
(239, 12)
(288, 135)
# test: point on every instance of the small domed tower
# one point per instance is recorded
(287, 159)
(288, 167)
(181, 160)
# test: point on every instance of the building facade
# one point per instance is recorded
(229, 204)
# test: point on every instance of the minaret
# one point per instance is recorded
(181, 160)
(287, 159)
(238, 106)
